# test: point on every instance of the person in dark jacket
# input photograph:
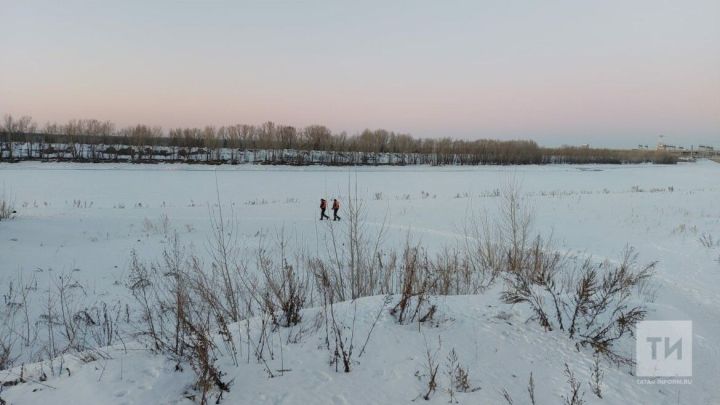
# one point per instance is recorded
(323, 207)
(335, 208)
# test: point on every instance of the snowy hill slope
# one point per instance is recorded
(494, 342)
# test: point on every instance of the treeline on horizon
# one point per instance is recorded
(90, 140)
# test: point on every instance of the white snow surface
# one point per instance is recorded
(85, 219)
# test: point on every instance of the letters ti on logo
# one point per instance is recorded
(664, 349)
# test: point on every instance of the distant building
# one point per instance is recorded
(700, 151)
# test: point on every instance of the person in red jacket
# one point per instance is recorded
(335, 208)
(323, 207)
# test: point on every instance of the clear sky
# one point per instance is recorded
(609, 73)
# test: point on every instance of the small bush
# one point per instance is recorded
(458, 376)
(431, 366)
(285, 288)
(180, 319)
(575, 396)
(417, 281)
(594, 303)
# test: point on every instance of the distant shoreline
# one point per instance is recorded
(96, 141)
(14, 152)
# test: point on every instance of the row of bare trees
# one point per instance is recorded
(574, 155)
(98, 141)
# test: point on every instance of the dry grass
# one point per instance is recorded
(7, 209)
(185, 307)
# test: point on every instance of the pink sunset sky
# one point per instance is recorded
(608, 73)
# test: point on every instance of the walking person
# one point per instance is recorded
(335, 208)
(323, 207)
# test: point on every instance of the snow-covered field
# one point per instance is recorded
(83, 220)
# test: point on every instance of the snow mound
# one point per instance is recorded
(494, 342)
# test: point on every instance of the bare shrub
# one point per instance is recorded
(362, 254)
(340, 333)
(533, 282)
(499, 245)
(339, 338)
(228, 283)
(40, 325)
(483, 252)
(431, 367)
(15, 322)
(7, 352)
(596, 303)
(575, 396)
(180, 316)
(417, 281)
(285, 287)
(453, 274)
(200, 350)
(7, 209)
(182, 327)
(106, 320)
(344, 340)
(612, 314)
(458, 376)
(73, 320)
